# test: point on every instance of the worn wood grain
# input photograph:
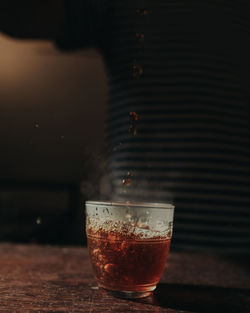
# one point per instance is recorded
(55, 279)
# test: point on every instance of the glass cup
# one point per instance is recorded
(128, 244)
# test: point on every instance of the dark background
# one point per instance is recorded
(52, 108)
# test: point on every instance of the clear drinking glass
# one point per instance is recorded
(128, 244)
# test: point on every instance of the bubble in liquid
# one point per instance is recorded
(110, 268)
(142, 12)
(96, 252)
(126, 182)
(137, 71)
(39, 220)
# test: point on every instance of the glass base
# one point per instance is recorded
(129, 294)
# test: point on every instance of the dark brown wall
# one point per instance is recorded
(51, 110)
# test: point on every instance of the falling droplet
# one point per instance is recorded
(62, 137)
(137, 71)
(142, 12)
(39, 220)
(140, 37)
(126, 182)
(134, 116)
(37, 125)
(132, 130)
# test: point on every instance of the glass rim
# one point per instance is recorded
(148, 205)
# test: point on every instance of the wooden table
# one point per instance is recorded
(55, 279)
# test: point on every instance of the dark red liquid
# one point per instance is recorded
(128, 263)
